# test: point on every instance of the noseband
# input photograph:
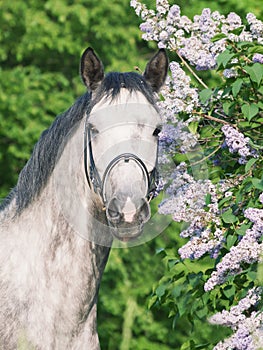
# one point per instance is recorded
(99, 184)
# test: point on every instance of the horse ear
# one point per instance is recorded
(156, 70)
(91, 69)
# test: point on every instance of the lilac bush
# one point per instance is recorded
(212, 137)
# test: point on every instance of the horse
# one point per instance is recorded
(88, 183)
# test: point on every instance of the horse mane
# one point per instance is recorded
(114, 82)
(34, 176)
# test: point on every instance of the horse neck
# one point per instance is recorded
(46, 233)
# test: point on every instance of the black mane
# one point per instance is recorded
(40, 166)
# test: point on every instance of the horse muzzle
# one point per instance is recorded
(127, 218)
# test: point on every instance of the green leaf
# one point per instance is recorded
(205, 95)
(202, 313)
(250, 163)
(206, 131)
(176, 291)
(249, 110)
(224, 57)
(224, 200)
(160, 290)
(229, 291)
(257, 183)
(194, 279)
(230, 241)
(236, 86)
(159, 250)
(208, 199)
(256, 49)
(172, 262)
(189, 345)
(252, 275)
(182, 306)
(255, 72)
(172, 313)
(242, 229)
(217, 37)
(228, 107)
(193, 126)
(260, 273)
(228, 217)
(237, 31)
(226, 91)
(152, 301)
(202, 346)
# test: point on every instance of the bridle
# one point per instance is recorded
(98, 183)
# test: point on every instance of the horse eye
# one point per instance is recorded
(157, 131)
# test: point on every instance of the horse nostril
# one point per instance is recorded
(113, 214)
(113, 211)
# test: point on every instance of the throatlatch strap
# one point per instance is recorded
(86, 154)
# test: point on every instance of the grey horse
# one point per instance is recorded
(87, 183)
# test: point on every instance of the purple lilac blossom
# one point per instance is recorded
(258, 57)
(174, 138)
(256, 27)
(248, 250)
(238, 143)
(167, 145)
(171, 30)
(186, 202)
(230, 73)
(178, 95)
(204, 241)
(233, 20)
(146, 27)
(247, 326)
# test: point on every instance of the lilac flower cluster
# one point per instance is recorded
(178, 95)
(169, 144)
(175, 138)
(248, 250)
(256, 28)
(247, 326)
(238, 143)
(203, 240)
(171, 30)
(186, 202)
(230, 73)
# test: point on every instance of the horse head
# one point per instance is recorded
(121, 140)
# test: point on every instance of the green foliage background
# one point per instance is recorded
(40, 46)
